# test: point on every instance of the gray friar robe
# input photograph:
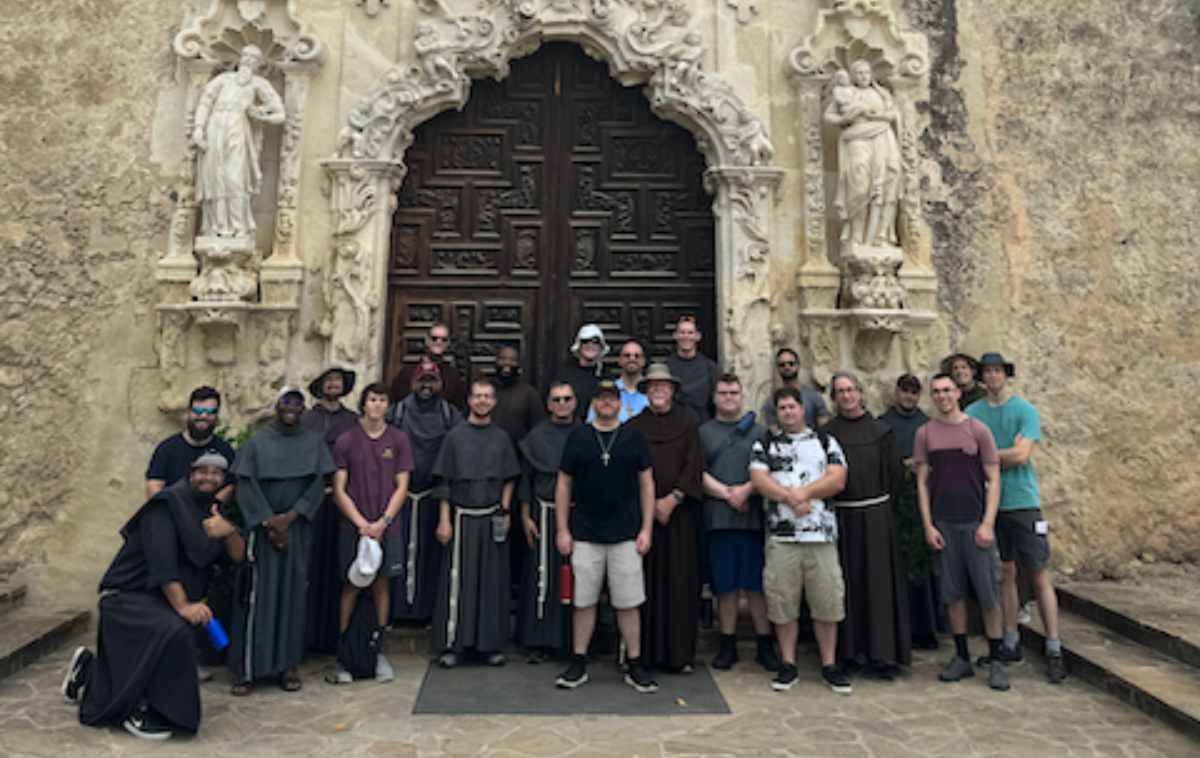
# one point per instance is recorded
(276, 472)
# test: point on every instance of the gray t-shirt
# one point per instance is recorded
(733, 468)
(814, 408)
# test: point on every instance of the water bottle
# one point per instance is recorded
(216, 634)
(566, 584)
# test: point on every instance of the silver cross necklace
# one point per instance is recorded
(606, 450)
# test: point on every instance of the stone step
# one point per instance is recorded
(1158, 684)
(1168, 624)
(27, 634)
(12, 596)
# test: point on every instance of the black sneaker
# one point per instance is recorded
(148, 725)
(1056, 668)
(638, 678)
(1006, 656)
(575, 675)
(728, 654)
(766, 655)
(76, 679)
(837, 680)
(786, 678)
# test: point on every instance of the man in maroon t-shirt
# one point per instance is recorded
(958, 492)
(374, 460)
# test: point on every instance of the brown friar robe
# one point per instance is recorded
(670, 615)
(876, 627)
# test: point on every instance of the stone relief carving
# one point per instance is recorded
(372, 7)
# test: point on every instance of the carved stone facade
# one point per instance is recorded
(1066, 252)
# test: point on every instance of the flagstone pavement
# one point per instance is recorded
(916, 716)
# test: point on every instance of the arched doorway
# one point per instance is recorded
(552, 199)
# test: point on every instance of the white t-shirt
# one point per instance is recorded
(794, 460)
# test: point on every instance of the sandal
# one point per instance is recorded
(289, 681)
(241, 687)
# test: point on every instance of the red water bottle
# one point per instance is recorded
(566, 584)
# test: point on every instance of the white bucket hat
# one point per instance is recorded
(587, 332)
(366, 565)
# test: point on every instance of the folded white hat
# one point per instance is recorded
(366, 565)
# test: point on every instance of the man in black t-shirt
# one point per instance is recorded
(605, 508)
(173, 458)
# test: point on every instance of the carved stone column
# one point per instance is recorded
(362, 200)
(742, 208)
(817, 280)
(282, 272)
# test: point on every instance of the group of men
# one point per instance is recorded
(655, 487)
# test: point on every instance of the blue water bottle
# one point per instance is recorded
(216, 633)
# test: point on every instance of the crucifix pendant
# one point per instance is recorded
(604, 458)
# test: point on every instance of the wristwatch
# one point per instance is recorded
(387, 519)
(678, 496)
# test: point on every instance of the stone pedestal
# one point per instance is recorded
(228, 269)
(869, 276)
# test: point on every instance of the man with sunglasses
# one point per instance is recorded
(437, 348)
(586, 368)
(282, 472)
(173, 458)
(787, 365)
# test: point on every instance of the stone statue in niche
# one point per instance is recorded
(228, 140)
(869, 164)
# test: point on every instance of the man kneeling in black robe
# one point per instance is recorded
(144, 677)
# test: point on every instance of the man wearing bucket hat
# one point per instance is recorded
(144, 676)
(281, 475)
(329, 419)
(1020, 529)
(586, 368)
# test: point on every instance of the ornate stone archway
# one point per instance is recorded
(642, 44)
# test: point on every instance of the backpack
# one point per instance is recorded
(395, 414)
(359, 644)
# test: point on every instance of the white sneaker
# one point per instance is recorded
(1023, 616)
(383, 670)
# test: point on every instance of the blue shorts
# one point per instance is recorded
(736, 556)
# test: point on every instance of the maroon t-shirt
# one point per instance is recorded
(371, 466)
(956, 455)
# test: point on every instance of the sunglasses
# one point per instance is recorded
(687, 319)
(204, 411)
(567, 399)
(292, 402)
(591, 341)
(785, 364)
(633, 355)
(435, 338)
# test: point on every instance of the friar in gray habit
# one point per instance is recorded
(284, 467)
(474, 479)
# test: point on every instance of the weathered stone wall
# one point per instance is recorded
(1061, 174)
(1064, 227)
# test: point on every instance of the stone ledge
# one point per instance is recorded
(12, 596)
(27, 635)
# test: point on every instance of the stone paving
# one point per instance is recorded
(916, 716)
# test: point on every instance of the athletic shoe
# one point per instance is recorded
(76, 679)
(728, 654)
(203, 674)
(638, 678)
(1007, 656)
(1056, 668)
(836, 679)
(340, 676)
(766, 655)
(957, 668)
(997, 676)
(786, 678)
(448, 660)
(1023, 616)
(383, 669)
(576, 674)
(537, 656)
(495, 659)
(148, 725)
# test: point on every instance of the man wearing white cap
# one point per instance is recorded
(281, 475)
(587, 367)
(374, 461)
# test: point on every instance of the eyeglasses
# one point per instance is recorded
(785, 364)
(847, 391)
(590, 341)
(438, 338)
(292, 402)
(567, 399)
(204, 411)
(639, 356)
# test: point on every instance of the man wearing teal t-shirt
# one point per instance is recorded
(1020, 529)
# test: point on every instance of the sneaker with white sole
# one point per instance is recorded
(836, 679)
(638, 677)
(383, 669)
(575, 676)
(148, 725)
(77, 673)
(786, 678)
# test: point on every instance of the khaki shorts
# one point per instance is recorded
(811, 569)
(592, 561)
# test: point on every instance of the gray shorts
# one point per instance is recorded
(961, 562)
(393, 555)
(1016, 534)
(620, 563)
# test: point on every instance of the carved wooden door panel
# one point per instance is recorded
(553, 199)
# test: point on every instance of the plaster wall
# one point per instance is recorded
(1059, 167)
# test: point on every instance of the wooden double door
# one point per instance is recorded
(554, 198)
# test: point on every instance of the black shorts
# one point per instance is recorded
(393, 555)
(1017, 537)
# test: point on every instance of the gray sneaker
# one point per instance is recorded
(958, 668)
(997, 676)
(383, 669)
(1056, 668)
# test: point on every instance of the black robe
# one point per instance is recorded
(542, 618)
(670, 615)
(472, 608)
(145, 649)
(276, 472)
(876, 627)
